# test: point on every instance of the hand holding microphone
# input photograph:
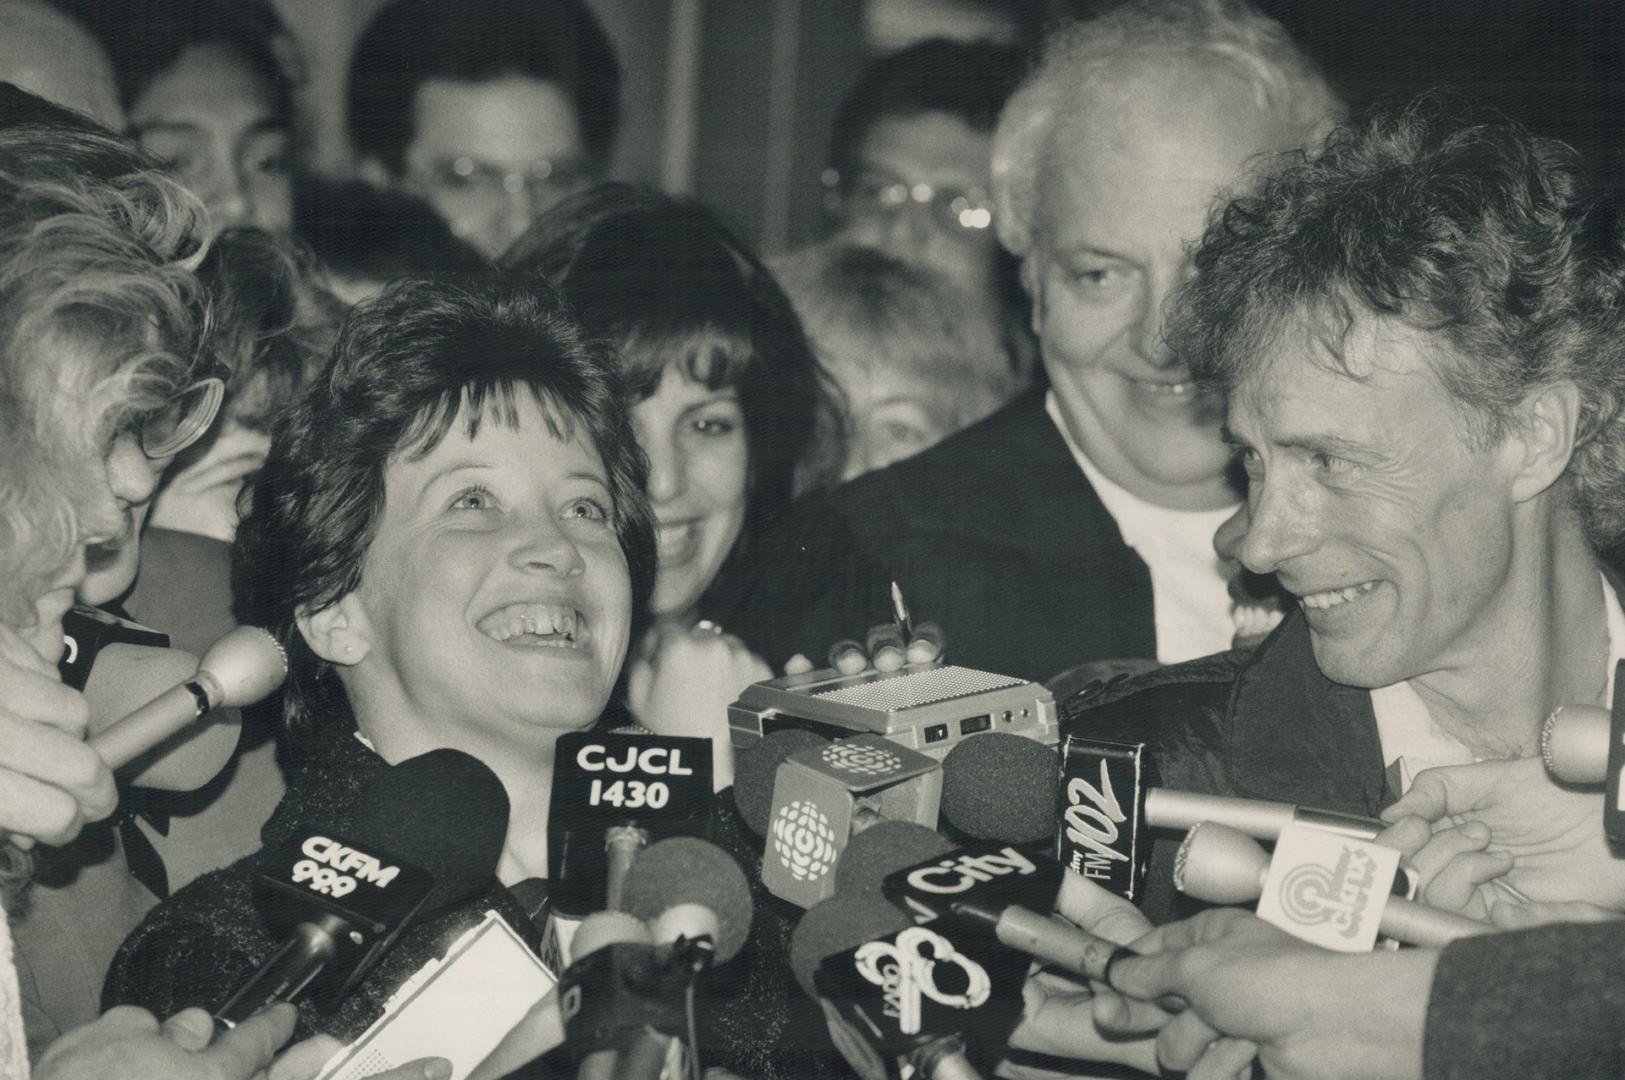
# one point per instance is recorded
(1307, 1013)
(51, 783)
(1220, 865)
(1553, 834)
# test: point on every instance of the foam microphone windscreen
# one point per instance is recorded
(1001, 787)
(684, 870)
(757, 767)
(446, 812)
(835, 924)
(883, 848)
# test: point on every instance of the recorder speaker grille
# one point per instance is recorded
(918, 688)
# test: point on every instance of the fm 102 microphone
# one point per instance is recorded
(1110, 798)
(612, 795)
(244, 666)
(1336, 891)
(825, 794)
(341, 894)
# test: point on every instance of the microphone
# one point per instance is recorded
(343, 895)
(1001, 787)
(756, 767)
(930, 993)
(88, 632)
(824, 795)
(244, 666)
(883, 848)
(693, 896)
(601, 991)
(626, 1005)
(613, 794)
(1582, 744)
(1303, 895)
(1111, 798)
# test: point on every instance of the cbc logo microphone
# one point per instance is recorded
(804, 840)
(861, 760)
(905, 969)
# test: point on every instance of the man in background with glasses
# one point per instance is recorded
(488, 110)
(908, 162)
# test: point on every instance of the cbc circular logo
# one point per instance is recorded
(804, 841)
(861, 760)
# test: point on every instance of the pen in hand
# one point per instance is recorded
(900, 615)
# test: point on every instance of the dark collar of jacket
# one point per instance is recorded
(1264, 724)
(1295, 735)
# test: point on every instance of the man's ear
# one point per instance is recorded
(371, 171)
(337, 633)
(1032, 282)
(1544, 437)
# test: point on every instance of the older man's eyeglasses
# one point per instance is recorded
(875, 192)
(182, 420)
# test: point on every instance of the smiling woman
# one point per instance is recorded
(449, 538)
(728, 400)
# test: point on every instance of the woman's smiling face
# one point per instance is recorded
(495, 601)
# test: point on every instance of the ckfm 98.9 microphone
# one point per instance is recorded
(342, 893)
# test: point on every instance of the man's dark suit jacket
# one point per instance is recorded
(994, 533)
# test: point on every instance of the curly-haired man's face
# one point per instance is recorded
(1405, 544)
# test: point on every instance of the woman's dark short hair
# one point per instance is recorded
(400, 373)
(410, 42)
(665, 282)
(1457, 224)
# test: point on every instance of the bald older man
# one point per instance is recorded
(1077, 523)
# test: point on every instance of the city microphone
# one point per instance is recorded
(1333, 890)
(826, 794)
(883, 848)
(340, 895)
(244, 666)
